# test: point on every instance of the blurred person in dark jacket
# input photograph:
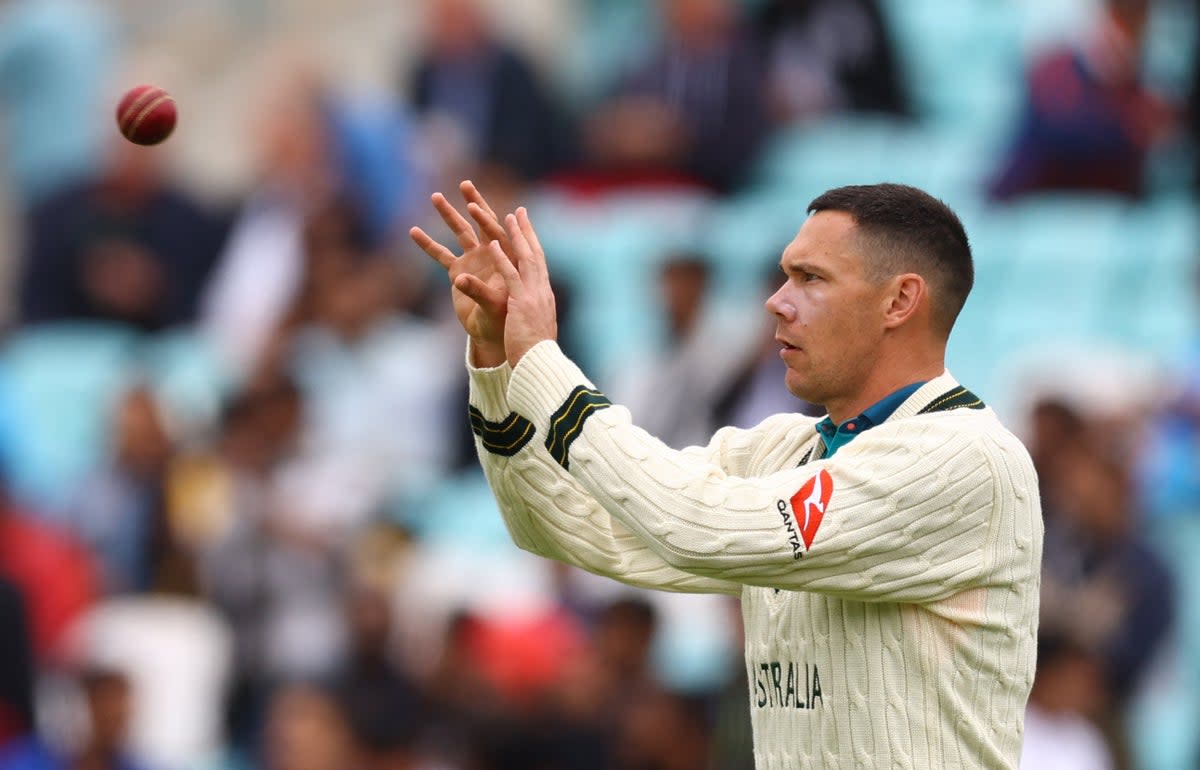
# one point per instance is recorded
(1101, 580)
(383, 703)
(693, 112)
(488, 94)
(128, 245)
(829, 56)
(1089, 122)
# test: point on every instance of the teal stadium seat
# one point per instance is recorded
(810, 158)
(1158, 286)
(1064, 253)
(962, 60)
(188, 376)
(610, 36)
(63, 380)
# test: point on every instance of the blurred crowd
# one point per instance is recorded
(241, 525)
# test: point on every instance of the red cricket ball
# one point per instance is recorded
(146, 115)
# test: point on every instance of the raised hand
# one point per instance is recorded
(479, 294)
(531, 316)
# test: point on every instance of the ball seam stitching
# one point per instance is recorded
(131, 112)
(146, 112)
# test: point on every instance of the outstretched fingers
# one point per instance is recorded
(488, 224)
(531, 259)
(457, 223)
(527, 228)
(440, 253)
(481, 211)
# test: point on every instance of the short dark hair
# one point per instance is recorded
(909, 230)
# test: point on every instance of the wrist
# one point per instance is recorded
(486, 355)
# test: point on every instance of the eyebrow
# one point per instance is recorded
(799, 266)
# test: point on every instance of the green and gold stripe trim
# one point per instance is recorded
(567, 422)
(504, 438)
(956, 398)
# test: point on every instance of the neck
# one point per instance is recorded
(883, 381)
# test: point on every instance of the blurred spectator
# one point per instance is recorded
(459, 694)
(305, 729)
(383, 703)
(376, 151)
(1089, 121)
(482, 101)
(672, 393)
(277, 581)
(56, 61)
(1066, 689)
(1170, 485)
(583, 709)
(119, 510)
(56, 575)
(662, 731)
(262, 267)
(376, 380)
(1101, 581)
(177, 655)
(693, 112)
(127, 245)
(107, 696)
(16, 665)
(828, 56)
(731, 739)
(1057, 430)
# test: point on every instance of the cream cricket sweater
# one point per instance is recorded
(890, 593)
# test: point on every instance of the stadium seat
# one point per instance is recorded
(810, 158)
(62, 380)
(1160, 281)
(188, 375)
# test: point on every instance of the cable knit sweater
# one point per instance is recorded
(889, 593)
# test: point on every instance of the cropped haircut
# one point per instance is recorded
(906, 230)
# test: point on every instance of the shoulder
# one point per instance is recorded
(973, 434)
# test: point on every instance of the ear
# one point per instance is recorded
(906, 296)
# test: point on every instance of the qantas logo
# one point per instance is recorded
(808, 506)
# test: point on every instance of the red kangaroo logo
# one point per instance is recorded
(809, 505)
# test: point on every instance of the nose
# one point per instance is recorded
(779, 306)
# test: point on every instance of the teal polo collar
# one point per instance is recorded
(835, 437)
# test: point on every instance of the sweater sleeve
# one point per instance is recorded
(548, 513)
(904, 513)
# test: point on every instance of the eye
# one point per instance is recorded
(806, 277)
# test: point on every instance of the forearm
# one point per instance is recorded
(547, 512)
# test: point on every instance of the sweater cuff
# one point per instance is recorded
(500, 430)
(488, 388)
